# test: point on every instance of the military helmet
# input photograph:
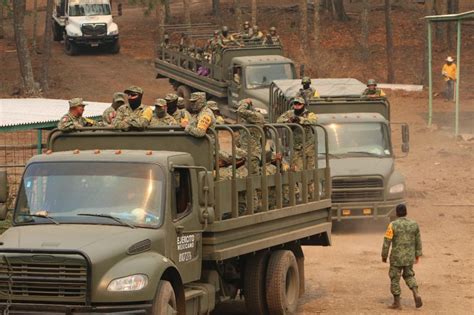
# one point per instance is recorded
(134, 89)
(306, 80)
(119, 97)
(273, 29)
(166, 36)
(246, 23)
(160, 102)
(371, 82)
(198, 96)
(170, 97)
(212, 105)
(77, 101)
(225, 28)
(299, 100)
(216, 32)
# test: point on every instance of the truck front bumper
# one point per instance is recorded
(365, 210)
(38, 308)
(93, 41)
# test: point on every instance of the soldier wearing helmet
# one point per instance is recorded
(307, 92)
(134, 114)
(215, 110)
(161, 117)
(257, 36)
(74, 119)
(226, 39)
(172, 108)
(110, 112)
(272, 38)
(202, 117)
(372, 91)
(246, 32)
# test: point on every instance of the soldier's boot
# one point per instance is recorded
(396, 303)
(417, 298)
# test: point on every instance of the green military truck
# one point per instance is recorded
(142, 222)
(365, 183)
(236, 73)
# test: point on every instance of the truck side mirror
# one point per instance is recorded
(301, 70)
(405, 133)
(206, 189)
(3, 195)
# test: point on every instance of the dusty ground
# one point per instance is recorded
(347, 278)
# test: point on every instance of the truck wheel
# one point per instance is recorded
(57, 34)
(165, 299)
(115, 47)
(254, 284)
(69, 48)
(184, 92)
(283, 283)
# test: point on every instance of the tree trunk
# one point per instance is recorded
(340, 11)
(440, 8)
(304, 24)
(328, 7)
(2, 33)
(216, 7)
(424, 76)
(364, 17)
(187, 13)
(24, 59)
(35, 25)
(254, 12)
(316, 51)
(238, 15)
(389, 37)
(160, 32)
(47, 39)
(167, 11)
(453, 7)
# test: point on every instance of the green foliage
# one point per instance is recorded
(149, 4)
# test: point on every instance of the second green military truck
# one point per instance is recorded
(143, 222)
(365, 182)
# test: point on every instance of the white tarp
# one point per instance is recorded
(325, 87)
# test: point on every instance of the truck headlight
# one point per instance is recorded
(113, 32)
(396, 189)
(130, 283)
(74, 34)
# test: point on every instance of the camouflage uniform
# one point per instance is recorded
(70, 122)
(179, 114)
(202, 119)
(128, 118)
(374, 93)
(110, 112)
(308, 94)
(404, 236)
(213, 106)
(272, 38)
(161, 117)
(257, 36)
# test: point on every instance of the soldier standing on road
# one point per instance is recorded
(307, 92)
(74, 119)
(372, 90)
(215, 110)
(202, 117)
(404, 236)
(133, 115)
(161, 117)
(110, 112)
(173, 109)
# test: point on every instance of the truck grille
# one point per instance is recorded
(353, 189)
(63, 279)
(94, 30)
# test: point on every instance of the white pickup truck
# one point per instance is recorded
(85, 23)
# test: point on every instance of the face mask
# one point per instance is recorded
(305, 86)
(136, 102)
(299, 111)
(172, 107)
(160, 112)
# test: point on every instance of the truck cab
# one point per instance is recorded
(365, 182)
(85, 23)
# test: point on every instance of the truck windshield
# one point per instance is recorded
(356, 139)
(91, 192)
(261, 76)
(88, 8)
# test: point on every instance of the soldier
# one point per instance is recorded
(133, 115)
(226, 39)
(161, 117)
(110, 112)
(372, 91)
(404, 236)
(246, 32)
(181, 103)
(212, 46)
(74, 119)
(202, 117)
(257, 36)
(215, 110)
(173, 109)
(307, 92)
(272, 38)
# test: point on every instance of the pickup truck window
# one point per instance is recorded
(183, 192)
(91, 9)
(261, 76)
(356, 139)
(76, 192)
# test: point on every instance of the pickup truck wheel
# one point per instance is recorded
(57, 34)
(69, 48)
(254, 284)
(184, 92)
(282, 283)
(115, 47)
(165, 300)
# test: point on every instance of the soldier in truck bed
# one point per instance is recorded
(74, 119)
(173, 108)
(202, 117)
(133, 115)
(161, 117)
(110, 112)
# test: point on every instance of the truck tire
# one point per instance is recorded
(69, 48)
(283, 283)
(183, 91)
(57, 32)
(115, 47)
(254, 284)
(165, 299)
